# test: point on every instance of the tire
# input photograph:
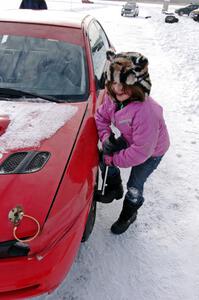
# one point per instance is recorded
(91, 216)
(90, 222)
(171, 19)
(196, 19)
(180, 13)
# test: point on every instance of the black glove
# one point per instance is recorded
(109, 145)
(112, 144)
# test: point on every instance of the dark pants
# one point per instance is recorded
(137, 178)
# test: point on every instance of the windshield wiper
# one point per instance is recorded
(12, 93)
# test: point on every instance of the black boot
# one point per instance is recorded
(111, 193)
(113, 190)
(127, 216)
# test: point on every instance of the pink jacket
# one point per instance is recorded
(140, 123)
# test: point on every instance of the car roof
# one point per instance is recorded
(130, 2)
(48, 17)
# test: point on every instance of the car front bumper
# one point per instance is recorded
(28, 276)
(128, 12)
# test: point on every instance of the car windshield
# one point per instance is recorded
(130, 5)
(47, 67)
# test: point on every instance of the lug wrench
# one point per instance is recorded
(104, 181)
(112, 140)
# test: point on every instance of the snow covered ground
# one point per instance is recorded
(158, 257)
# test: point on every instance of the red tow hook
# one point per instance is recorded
(4, 122)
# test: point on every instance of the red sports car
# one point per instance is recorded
(51, 79)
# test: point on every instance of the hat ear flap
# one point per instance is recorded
(110, 55)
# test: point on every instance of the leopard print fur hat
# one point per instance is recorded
(128, 68)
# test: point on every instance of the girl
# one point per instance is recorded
(144, 138)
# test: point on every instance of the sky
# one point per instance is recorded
(157, 258)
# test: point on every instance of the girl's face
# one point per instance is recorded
(120, 93)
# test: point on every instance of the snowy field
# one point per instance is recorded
(158, 257)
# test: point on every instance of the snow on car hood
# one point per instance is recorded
(30, 123)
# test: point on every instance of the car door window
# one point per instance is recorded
(99, 45)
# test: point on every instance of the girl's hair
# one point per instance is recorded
(135, 90)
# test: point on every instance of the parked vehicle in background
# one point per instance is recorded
(51, 70)
(130, 9)
(186, 10)
(195, 15)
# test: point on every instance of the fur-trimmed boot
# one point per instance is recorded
(127, 216)
(113, 190)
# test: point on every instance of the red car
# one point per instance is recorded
(51, 75)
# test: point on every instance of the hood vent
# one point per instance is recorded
(12, 162)
(24, 162)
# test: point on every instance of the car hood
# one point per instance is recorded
(35, 191)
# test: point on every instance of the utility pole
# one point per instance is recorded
(165, 5)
